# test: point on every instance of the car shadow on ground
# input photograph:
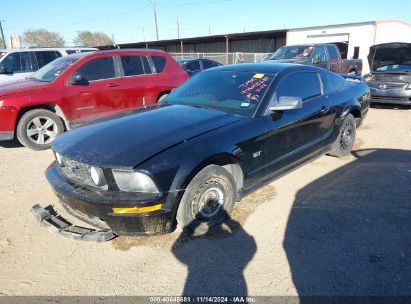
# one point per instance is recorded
(216, 260)
(11, 144)
(349, 232)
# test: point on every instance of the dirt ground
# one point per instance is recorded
(332, 227)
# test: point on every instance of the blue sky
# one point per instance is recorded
(132, 20)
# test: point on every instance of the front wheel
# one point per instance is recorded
(346, 138)
(38, 128)
(207, 201)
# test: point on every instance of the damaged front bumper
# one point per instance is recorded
(96, 207)
(50, 219)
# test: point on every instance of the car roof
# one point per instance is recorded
(265, 67)
(311, 44)
(47, 49)
(118, 51)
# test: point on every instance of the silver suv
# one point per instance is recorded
(20, 63)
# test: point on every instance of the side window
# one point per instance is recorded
(305, 85)
(99, 68)
(332, 52)
(44, 57)
(193, 65)
(159, 63)
(25, 62)
(132, 65)
(12, 63)
(319, 52)
(208, 64)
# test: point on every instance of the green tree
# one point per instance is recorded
(92, 39)
(43, 38)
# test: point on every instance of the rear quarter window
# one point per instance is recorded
(159, 63)
(333, 82)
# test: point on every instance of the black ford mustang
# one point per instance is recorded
(221, 134)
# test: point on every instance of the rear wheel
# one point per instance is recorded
(162, 97)
(346, 138)
(208, 200)
(38, 128)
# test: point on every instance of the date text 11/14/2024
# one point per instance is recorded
(202, 299)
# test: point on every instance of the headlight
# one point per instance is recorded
(59, 159)
(408, 87)
(97, 176)
(367, 77)
(1, 103)
(131, 181)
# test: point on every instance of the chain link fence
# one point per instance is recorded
(224, 58)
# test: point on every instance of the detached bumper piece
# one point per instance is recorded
(49, 218)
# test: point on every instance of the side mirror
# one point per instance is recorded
(77, 79)
(317, 59)
(3, 69)
(287, 103)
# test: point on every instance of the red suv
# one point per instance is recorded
(79, 88)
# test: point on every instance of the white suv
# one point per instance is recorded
(21, 63)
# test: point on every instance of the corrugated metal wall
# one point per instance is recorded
(238, 44)
(256, 45)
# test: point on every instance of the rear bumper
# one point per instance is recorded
(391, 100)
(96, 208)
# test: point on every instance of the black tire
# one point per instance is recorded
(346, 138)
(207, 201)
(162, 97)
(37, 128)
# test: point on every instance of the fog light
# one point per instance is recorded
(59, 159)
(137, 209)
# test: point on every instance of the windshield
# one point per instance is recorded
(293, 52)
(51, 71)
(394, 68)
(238, 93)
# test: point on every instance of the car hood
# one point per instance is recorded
(389, 53)
(21, 86)
(125, 141)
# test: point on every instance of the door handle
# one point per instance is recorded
(324, 110)
(112, 85)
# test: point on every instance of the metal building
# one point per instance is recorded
(250, 42)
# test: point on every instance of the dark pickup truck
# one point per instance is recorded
(327, 56)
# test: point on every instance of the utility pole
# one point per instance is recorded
(153, 3)
(178, 27)
(2, 36)
(209, 30)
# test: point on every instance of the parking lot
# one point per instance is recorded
(332, 227)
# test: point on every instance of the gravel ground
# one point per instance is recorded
(332, 227)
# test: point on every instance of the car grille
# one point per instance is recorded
(388, 85)
(76, 171)
(390, 98)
